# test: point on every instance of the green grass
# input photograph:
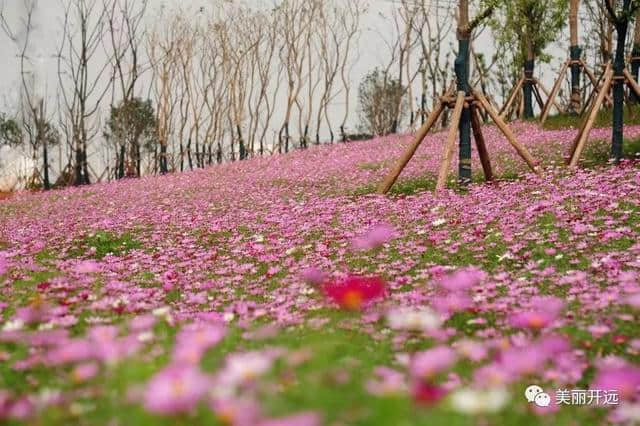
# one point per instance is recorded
(603, 119)
(102, 243)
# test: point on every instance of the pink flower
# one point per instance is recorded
(71, 351)
(86, 267)
(452, 302)
(387, 382)
(302, 419)
(522, 361)
(176, 389)
(142, 323)
(534, 320)
(428, 363)
(355, 292)
(374, 237)
(313, 276)
(4, 266)
(236, 412)
(475, 351)
(541, 313)
(462, 280)
(191, 344)
(84, 372)
(634, 300)
(598, 330)
(624, 379)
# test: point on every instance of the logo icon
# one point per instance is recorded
(537, 395)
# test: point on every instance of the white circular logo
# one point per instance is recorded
(537, 395)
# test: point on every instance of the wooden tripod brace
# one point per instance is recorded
(506, 110)
(585, 128)
(475, 101)
(556, 86)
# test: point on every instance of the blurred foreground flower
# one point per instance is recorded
(428, 363)
(542, 312)
(355, 292)
(624, 379)
(176, 389)
(420, 319)
(427, 393)
(374, 237)
(476, 401)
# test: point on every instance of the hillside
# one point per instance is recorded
(234, 294)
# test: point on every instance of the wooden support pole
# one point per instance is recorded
(546, 93)
(594, 92)
(481, 145)
(451, 142)
(594, 81)
(520, 112)
(512, 97)
(386, 185)
(520, 149)
(631, 82)
(581, 139)
(536, 93)
(554, 92)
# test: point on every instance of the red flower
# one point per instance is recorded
(354, 292)
(428, 394)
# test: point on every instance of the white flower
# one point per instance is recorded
(290, 251)
(46, 326)
(627, 413)
(421, 319)
(14, 325)
(307, 290)
(228, 316)
(242, 368)
(507, 255)
(475, 401)
(438, 222)
(160, 312)
(145, 337)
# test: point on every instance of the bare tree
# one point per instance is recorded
(124, 19)
(82, 77)
(34, 121)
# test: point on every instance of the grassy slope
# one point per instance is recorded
(336, 347)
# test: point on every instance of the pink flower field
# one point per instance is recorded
(282, 291)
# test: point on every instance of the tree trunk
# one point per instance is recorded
(462, 77)
(528, 85)
(121, 165)
(138, 160)
(286, 137)
(45, 165)
(163, 159)
(241, 148)
(575, 53)
(181, 157)
(618, 91)
(189, 154)
(85, 162)
(635, 57)
(78, 166)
